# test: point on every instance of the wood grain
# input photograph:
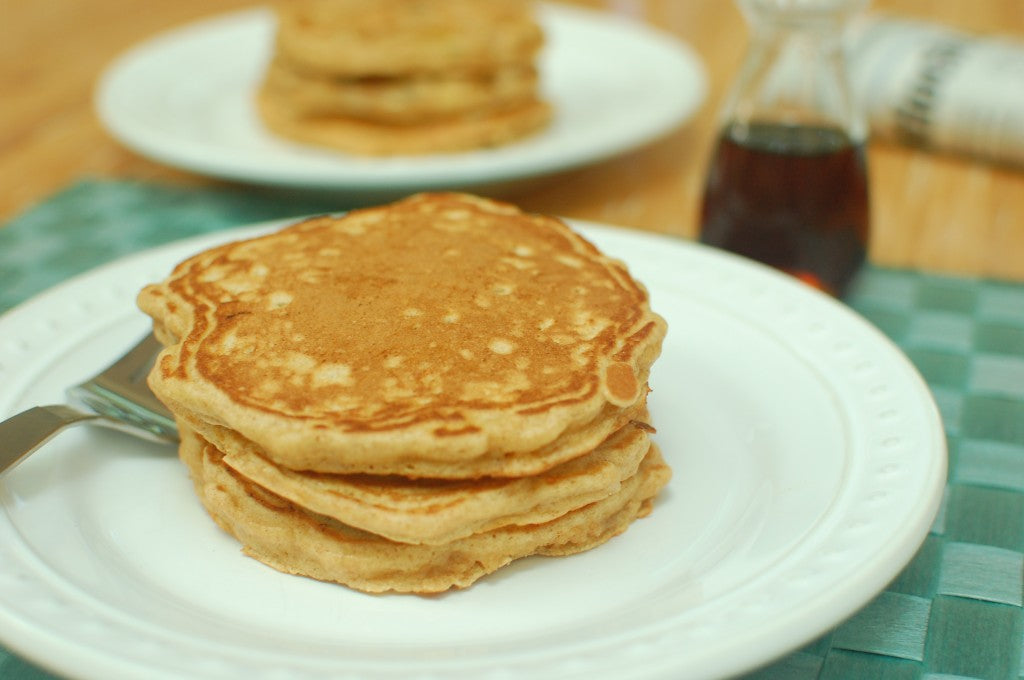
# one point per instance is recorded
(929, 211)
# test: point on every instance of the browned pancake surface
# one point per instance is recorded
(291, 539)
(401, 37)
(402, 77)
(398, 101)
(434, 511)
(444, 327)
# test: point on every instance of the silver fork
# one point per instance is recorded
(118, 397)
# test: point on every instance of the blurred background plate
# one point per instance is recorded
(185, 98)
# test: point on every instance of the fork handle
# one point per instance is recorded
(25, 432)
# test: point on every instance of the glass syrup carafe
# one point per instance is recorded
(788, 182)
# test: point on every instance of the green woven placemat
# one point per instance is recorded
(954, 613)
(956, 610)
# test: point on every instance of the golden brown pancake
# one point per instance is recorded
(294, 540)
(437, 511)
(406, 398)
(359, 38)
(472, 129)
(570, 444)
(398, 100)
(444, 332)
(403, 77)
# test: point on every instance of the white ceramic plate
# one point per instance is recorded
(185, 98)
(809, 462)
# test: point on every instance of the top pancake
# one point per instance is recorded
(362, 38)
(444, 327)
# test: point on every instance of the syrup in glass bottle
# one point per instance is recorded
(788, 182)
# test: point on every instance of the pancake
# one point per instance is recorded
(398, 101)
(570, 444)
(444, 332)
(408, 397)
(435, 511)
(473, 129)
(403, 77)
(359, 38)
(296, 541)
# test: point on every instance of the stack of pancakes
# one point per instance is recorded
(411, 396)
(380, 77)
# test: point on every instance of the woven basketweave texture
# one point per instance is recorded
(955, 612)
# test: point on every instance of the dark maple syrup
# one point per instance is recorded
(793, 197)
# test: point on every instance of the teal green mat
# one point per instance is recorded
(954, 613)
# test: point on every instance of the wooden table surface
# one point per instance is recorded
(929, 211)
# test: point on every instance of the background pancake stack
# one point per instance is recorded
(380, 77)
(411, 396)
